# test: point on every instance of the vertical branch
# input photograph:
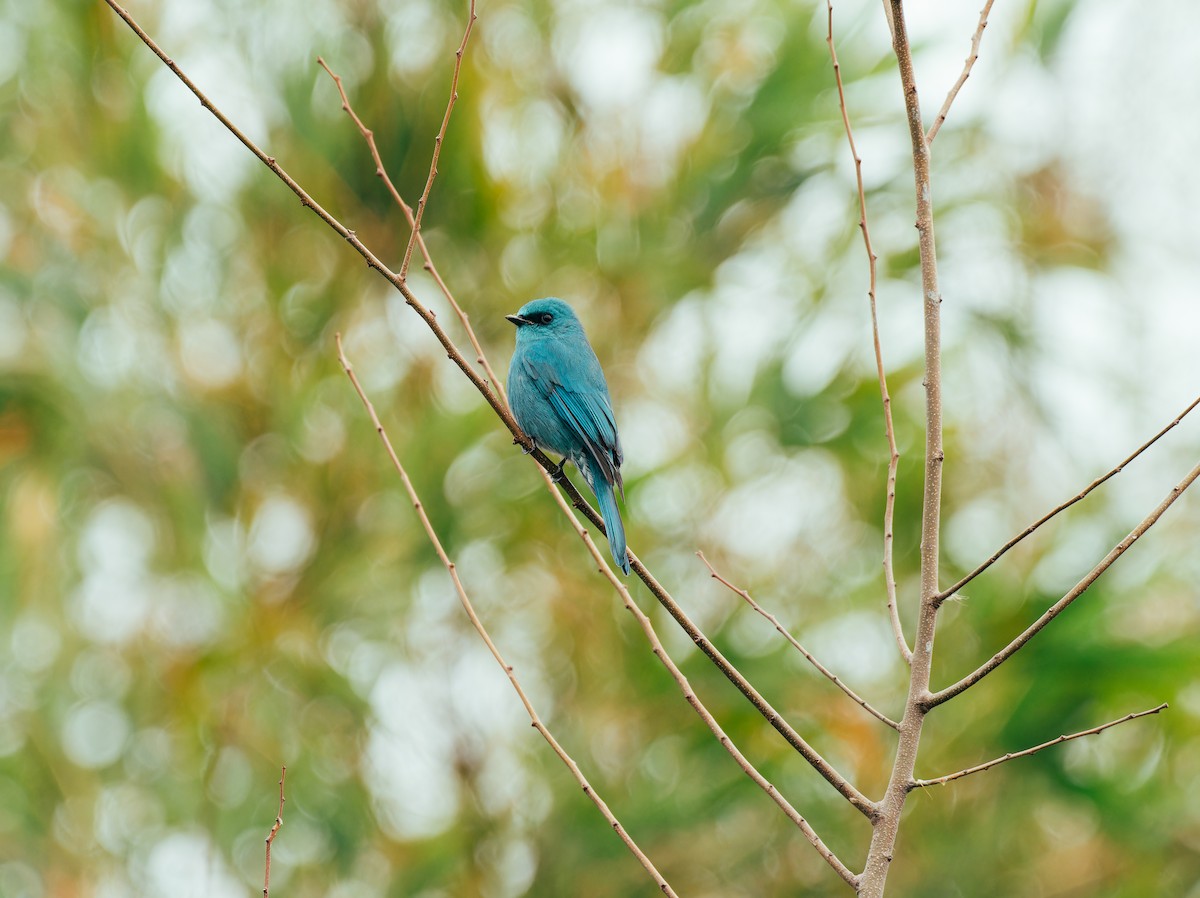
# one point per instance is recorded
(271, 835)
(889, 509)
(883, 838)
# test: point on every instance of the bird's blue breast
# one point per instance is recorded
(537, 416)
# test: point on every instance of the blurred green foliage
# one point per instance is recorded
(209, 569)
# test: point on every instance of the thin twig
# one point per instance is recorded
(831, 775)
(381, 172)
(946, 593)
(1075, 592)
(491, 396)
(941, 780)
(833, 678)
(452, 568)
(495, 400)
(889, 508)
(437, 143)
(692, 699)
(271, 835)
(966, 72)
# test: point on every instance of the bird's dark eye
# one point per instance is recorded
(545, 318)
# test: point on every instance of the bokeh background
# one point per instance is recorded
(208, 568)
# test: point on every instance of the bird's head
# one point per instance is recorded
(542, 318)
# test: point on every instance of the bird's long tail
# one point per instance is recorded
(607, 501)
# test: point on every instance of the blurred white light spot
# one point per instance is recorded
(210, 353)
(118, 537)
(223, 547)
(281, 537)
(324, 434)
(859, 642)
(522, 144)
(673, 354)
(231, 778)
(35, 643)
(123, 815)
(187, 611)
(410, 755)
(186, 865)
(94, 734)
(110, 607)
(415, 33)
(610, 53)
(107, 347)
(20, 880)
(652, 433)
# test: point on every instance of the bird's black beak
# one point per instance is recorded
(518, 320)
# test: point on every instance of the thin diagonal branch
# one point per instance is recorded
(833, 678)
(463, 598)
(692, 699)
(966, 73)
(274, 832)
(500, 407)
(493, 398)
(946, 593)
(831, 775)
(381, 172)
(1075, 592)
(437, 143)
(978, 768)
(889, 508)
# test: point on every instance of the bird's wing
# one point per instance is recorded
(576, 390)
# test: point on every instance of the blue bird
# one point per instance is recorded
(559, 397)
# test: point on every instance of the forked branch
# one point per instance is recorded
(830, 675)
(946, 593)
(987, 765)
(381, 171)
(692, 699)
(495, 399)
(1075, 592)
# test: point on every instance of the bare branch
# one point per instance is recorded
(692, 699)
(381, 172)
(437, 143)
(463, 598)
(491, 396)
(889, 508)
(834, 678)
(978, 768)
(883, 836)
(946, 593)
(966, 72)
(1075, 592)
(271, 835)
(856, 798)
(831, 775)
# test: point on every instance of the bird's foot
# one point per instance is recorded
(556, 474)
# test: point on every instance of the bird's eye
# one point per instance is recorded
(545, 318)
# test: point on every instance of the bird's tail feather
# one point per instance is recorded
(607, 500)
